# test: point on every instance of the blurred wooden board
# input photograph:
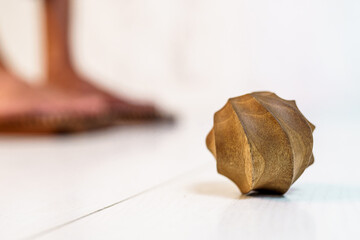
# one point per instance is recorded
(160, 182)
(47, 181)
(202, 205)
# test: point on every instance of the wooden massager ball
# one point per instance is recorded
(261, 142)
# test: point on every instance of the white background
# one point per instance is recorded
(203, 50)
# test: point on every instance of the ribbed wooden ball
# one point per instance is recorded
(261, 142)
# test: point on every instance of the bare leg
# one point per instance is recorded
(1, 64)
(61, 72)
(56, 19)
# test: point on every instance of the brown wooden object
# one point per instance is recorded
(261, 142)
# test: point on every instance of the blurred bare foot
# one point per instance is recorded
(62, 75)
(43, 110)
(122, 110)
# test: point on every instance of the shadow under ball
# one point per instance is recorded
(261, 142)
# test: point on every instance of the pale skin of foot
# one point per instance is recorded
(20, 102)
(12, 91)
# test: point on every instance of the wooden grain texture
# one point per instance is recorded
(261, 142)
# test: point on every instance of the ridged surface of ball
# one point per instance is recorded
(261, 142)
